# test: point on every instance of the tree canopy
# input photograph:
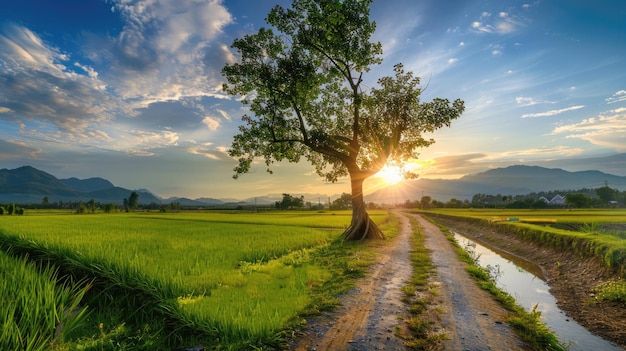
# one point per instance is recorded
(303, 79)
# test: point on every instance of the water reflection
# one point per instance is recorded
(514, 276)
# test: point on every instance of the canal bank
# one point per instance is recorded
(572, 279)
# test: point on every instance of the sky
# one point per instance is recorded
(130, 90)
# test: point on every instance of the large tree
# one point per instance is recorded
(303, 79)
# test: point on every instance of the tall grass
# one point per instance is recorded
(35, 312)
(225, 279)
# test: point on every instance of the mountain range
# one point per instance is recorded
(30, 185)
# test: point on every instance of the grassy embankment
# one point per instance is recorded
(157, 281)
(596, 233)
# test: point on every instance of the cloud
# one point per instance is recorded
(552, 112)
(212, 123)
(608, 129)
(37, 85)
(15, 150)
(617, 97)
(529, 101)
(218, 153)
(169, 50)
(503, 23)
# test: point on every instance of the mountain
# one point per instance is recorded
(30, 185)
(512, 180)
(28, 180)
(87, 185)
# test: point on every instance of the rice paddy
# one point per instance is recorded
(222, 279)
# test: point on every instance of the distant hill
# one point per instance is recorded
(87, 185)
(28, 180)
(512, 180)
(30, 185)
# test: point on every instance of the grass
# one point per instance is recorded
(35, 313)
(230, 281)
(419, 294)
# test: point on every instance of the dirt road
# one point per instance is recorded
(370, 314)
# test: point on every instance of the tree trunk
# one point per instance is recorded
(361, 226)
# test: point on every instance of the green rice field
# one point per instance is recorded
(232, 281)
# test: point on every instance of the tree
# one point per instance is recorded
(304, 82)
(133, 201)
(607, 194)
(425, 202)
(289, 201)
(578, 200)
(343, 202)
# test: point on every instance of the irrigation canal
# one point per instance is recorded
(523, 280)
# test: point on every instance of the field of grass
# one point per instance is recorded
(231, 280)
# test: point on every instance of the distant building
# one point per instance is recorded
(555, 201)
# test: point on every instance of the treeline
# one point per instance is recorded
(603, 197)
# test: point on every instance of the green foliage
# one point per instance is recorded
(578, 200)
(35, 312)
(304, 82)
(289, 202)
(612, 291)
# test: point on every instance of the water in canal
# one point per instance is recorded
(529, 289)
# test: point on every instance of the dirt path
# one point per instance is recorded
(370, 314)
(472, 319)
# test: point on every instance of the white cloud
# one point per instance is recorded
(218, 153)
(617, 97)
(212, 123)
(608, 129)
(452, 60)
(42, 88)
(504, 23)
(224, 114)
(552, 112)
(529, 101)
(169, 50)
(5, 109)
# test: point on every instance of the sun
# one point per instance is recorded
(391, 175)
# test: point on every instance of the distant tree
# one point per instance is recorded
(607, 194)
(91, 205)
(578, 200)
(289, 202)
(45, 201)
(344, 202)
(133, 202)
(108, 208)
(304, 82)
(425, 202)
(2, 210)
(10, 209)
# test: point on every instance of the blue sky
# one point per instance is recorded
(130, 90)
